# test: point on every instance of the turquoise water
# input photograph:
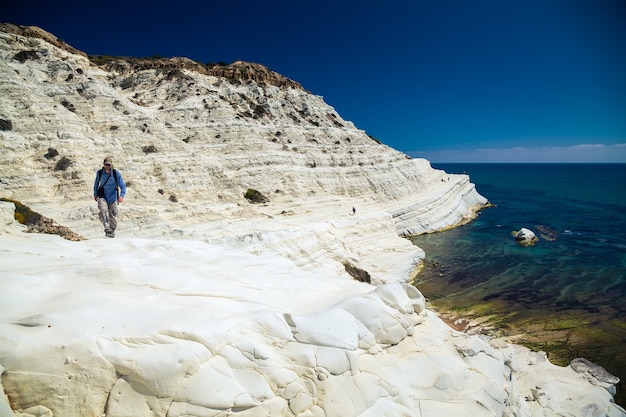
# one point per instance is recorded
(578, 270)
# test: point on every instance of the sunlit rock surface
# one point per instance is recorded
(206, 304)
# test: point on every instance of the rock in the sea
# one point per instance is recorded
(547, 233)
(525, 237)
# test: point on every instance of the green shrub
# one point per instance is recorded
(102, 59)
(255, 196)
(357, 273)
(63, 164)
(261, 110)
(52, 153)
(149, 149)
(68, 105)
(6, 125)
(24, 56)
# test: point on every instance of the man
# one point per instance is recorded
(109, 189)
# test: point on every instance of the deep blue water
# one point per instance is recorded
(584, 270)
(583, 204)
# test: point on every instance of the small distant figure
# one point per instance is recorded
(109, 189)
(353, 210)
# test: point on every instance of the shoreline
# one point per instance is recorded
(563, 339)
(558, 351)
(478, 282)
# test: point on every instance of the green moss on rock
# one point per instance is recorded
(23, 214)
(255, 196)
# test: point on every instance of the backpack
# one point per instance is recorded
(117, 188)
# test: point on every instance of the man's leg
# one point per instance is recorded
(103, 209)
(113, 217)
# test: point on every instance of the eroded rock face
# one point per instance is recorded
(240, 71)
(36, 32)
(203, 134)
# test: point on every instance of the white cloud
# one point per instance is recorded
(580, 153)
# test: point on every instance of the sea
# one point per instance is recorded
(565, 295)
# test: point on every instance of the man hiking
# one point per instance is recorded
(109, 189)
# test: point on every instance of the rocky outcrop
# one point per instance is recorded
(25, 32)
(525, 237)
(240, 71)
(36, 223)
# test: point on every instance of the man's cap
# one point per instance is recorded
(108, 160)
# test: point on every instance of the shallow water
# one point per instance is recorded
(565, 294)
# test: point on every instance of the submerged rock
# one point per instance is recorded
(547, 233)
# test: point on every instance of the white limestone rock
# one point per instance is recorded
(175, 328)
(5, 408)
(525, 237)
(210, 148)
(333, 328)
(7, 218)
(209, 305)
(596, 374)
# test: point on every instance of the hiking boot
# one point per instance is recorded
(109, 233)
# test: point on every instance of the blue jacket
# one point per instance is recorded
(110, 188)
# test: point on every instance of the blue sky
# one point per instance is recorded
(452, 81)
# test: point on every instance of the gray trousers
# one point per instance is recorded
(108, 214)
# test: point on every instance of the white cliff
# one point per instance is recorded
(203, 140)
(205, 304)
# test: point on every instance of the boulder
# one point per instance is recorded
(525, 237)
